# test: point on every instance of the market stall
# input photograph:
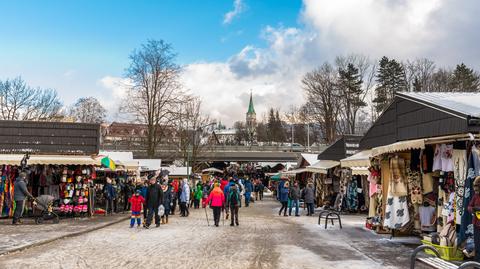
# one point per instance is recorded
(424, 151)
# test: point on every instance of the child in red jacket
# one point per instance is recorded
(136, 202)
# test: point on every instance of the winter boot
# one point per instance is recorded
(163, 220)
(166, 219)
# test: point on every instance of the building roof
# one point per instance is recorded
(251, 110)
(310, 158)
(345, 146)
(463, 103)
(424, 115)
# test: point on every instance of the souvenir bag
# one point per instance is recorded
(161, 210)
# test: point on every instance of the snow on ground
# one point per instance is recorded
(263, 240)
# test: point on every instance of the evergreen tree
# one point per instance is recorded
(390, 79)
(465, 79)
(350, 85)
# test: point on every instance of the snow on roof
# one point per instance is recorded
(310, 158)
(122, 156)
(149, 164)
(178, 171)
(467, 103)
(225, 132)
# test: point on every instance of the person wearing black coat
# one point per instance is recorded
(153, 200)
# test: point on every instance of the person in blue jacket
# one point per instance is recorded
(248, 191)
(283, 197)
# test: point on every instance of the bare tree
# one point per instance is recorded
(156, 90)
(419, 74)
(320, 87)
(192, 131)
(88, 110)
(18, 101)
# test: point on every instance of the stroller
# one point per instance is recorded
(43, 210)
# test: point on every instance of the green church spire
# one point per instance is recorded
(251, 110)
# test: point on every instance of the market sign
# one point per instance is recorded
(64, 138)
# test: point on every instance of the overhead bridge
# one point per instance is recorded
(220, 153)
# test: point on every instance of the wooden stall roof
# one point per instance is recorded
(39, 137)
(344, 147)
(423, 115)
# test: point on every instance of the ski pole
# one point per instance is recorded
(206, 215)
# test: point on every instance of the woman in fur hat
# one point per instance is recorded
(474, 208)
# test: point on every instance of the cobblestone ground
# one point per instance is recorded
(263, 240)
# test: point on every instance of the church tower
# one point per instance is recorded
(251, 121)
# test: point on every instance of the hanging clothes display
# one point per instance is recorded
(398, 179)
(442, 159)
(459, 172)
(396, 213)
(352, 195)
(466, 226)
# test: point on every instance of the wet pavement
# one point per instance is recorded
(263, 240)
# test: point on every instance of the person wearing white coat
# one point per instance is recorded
(184, 198)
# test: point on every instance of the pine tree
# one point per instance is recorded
(350, 85)
(390, 79)
(465, 79)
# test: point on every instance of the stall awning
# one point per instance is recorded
(295, 171)
(361, 159)
(212, 170)
(63, 160)
(15, 159)
(322, 166)
(360, 171)
(399, 146)
(10, 159)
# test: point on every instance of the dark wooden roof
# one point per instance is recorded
(344, 147)
(409, 118)
(49, 137)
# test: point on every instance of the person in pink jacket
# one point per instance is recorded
(216, 200)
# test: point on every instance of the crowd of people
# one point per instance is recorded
(290, 195)
(158, 198)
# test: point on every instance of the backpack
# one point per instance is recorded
(233, 198)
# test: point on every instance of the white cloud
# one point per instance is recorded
(115, 92)
(238, 7)
(272, 73)
(443, 30)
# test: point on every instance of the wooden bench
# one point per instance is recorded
(437, 262)
(329, 215)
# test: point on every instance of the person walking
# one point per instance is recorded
(128, 191)
(136, 203)
(20, 194)
(261, 188)
(153, 200)
(216, 200)
(110, 194)
(204, 195)
(283, 197)
(175, 196)
(233, 204)
(184, 198)
(294, 196)
(198, 195)
(309, 195)
(167, 200)
(248, 191)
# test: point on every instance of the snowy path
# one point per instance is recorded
(263, 240)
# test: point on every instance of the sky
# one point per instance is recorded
(227, 48)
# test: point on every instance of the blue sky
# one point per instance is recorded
(81, 48)
(99, 35)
